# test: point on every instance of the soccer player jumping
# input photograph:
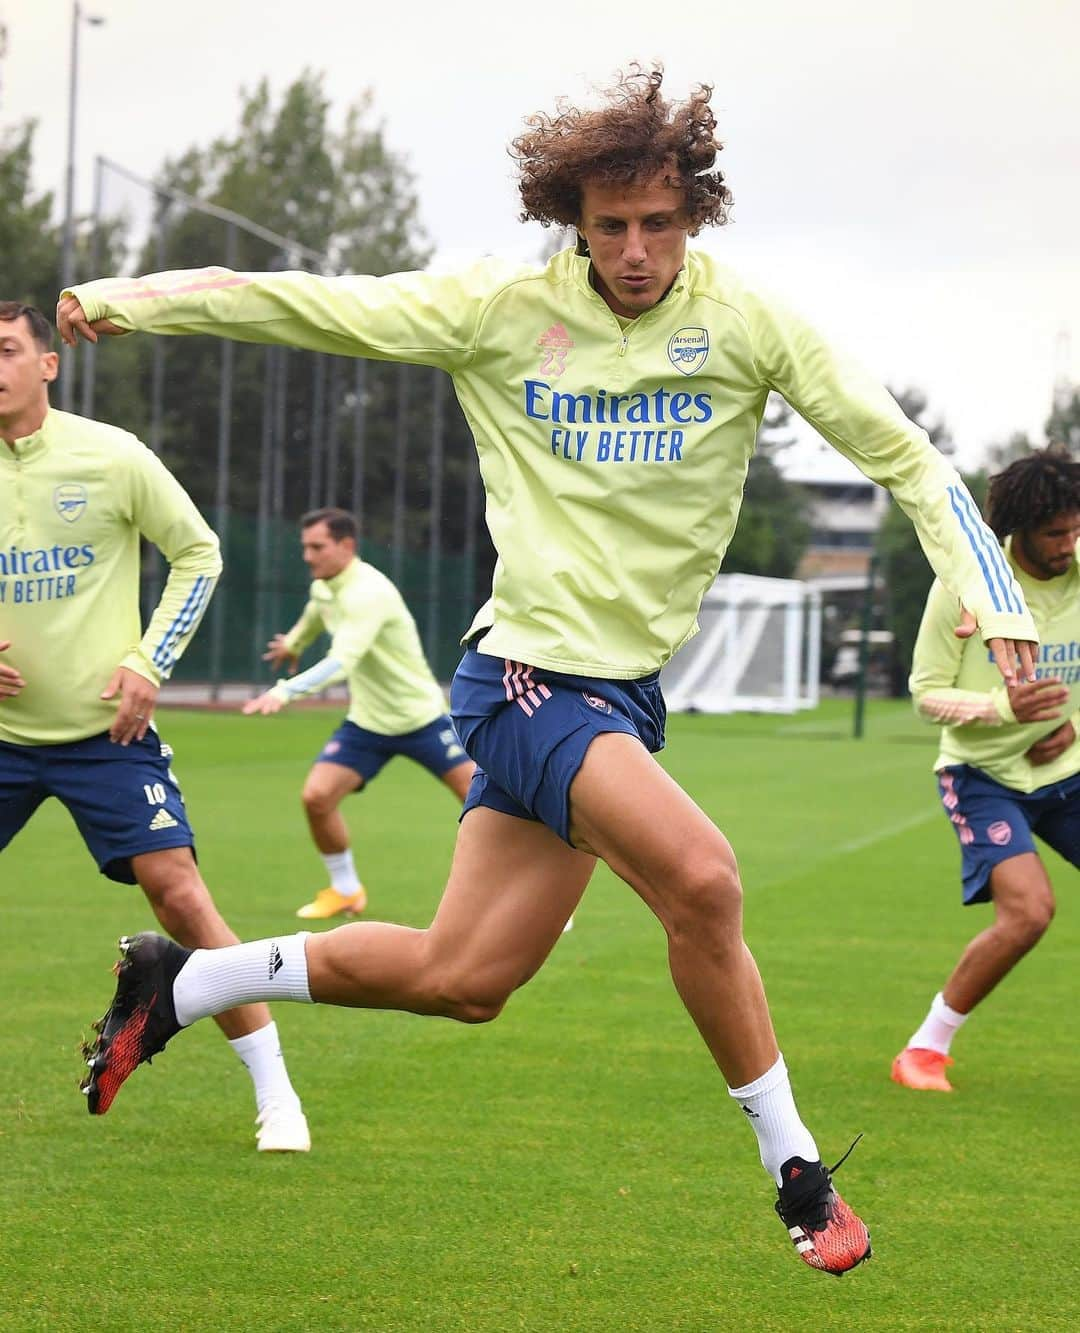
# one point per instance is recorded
(1009, 763)
(614, 396)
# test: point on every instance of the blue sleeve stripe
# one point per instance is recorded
(185, 622)
(314, 678)
(996, 573)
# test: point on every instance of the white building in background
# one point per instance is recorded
(847, 510)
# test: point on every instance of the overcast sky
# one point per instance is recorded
(907, 175)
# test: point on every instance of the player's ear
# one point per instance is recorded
(50, 366)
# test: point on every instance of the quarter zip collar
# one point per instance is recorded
(27, 446)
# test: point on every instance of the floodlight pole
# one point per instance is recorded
(67, 254)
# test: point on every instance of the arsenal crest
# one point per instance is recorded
(70, 501)
(688, 350)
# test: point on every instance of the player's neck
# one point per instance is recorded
(19, 425)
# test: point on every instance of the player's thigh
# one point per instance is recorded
(328, 783)
(636, 817)
(459, 778)
(513, 885)
(1021, 890)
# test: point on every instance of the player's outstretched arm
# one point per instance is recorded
(1006, 652)
(263, 704)
(72, 323)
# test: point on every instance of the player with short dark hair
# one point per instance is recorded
(395, 704)
(614, 396)
(1008, 768)
(79, 677)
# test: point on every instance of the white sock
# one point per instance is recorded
(938, 1027)
(213, 980)
(769, 1105)
(342, 872)
(260, 1052)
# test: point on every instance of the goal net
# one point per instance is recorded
(759, 649)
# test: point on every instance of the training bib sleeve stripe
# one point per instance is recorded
(166, 515)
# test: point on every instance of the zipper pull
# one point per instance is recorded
(622, 345)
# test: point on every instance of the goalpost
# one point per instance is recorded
(759, 649)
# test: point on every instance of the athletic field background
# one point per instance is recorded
(576, 1165)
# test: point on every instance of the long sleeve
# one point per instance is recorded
(861, 420)
(306, 630)
(351, 640)
(936, 664)
(165, 514)
(417, 317)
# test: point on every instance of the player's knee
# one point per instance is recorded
(176, 899)
(468, 999)
(316, 800)
(1031, 922)
(706, 898)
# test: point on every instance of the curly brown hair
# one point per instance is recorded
(633, 137)
(1033, 490)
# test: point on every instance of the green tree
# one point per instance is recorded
(774, 522)
(29, 243)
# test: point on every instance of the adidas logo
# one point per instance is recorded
(162, 820)
(276, 961)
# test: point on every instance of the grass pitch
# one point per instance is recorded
(576, 1165)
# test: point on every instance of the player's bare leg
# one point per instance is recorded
(1023, 901)
(326, 786)
(628, 810)
(625, 808)
(1023, 909)
(182, 903)
(512, 885)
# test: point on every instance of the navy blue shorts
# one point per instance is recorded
(436, 746)
(528, 729)
(124, 799)
(994, 823)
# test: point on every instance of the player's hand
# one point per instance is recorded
(279, 656)
(138, 699)
(1048, 749)
(11, 682)
(71, 322)
(265, 704)
(1041, 701)
(1006, 652)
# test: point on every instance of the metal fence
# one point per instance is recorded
(258, 435)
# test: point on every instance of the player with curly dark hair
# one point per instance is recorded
(1009, 763)
(615, 396)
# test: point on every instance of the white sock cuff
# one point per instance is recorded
(939, 1009)
(253, 1041)
(213, 980)
(772, 1078)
